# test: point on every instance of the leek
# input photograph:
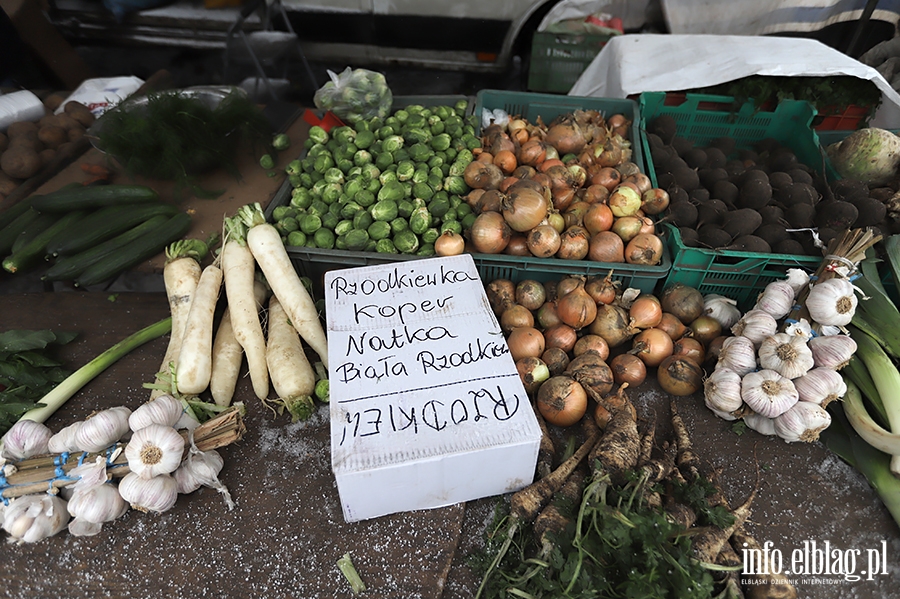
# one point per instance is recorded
(856, 372)
(53, 400)
(871, 432)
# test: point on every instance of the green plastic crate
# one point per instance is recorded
(559, 59)
(702, 118)
(530, 106)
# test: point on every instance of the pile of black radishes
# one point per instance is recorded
(760, 199)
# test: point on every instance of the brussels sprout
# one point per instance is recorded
(318, 134)
(419, 220)
(393, 122)
(439, 207)
(364, 198)
(388, 176)
(451, 225)
(405, 170)
(450, 154)
(340, 242)
(401, 115)
(423, 190)
(385, 246)
(374, 185)
(361, 125)
(322, 163)
(308, 143)
(343, 135)
(356, 239)
(293, 167)
(349, 209)
(456, 184)
(420, 177)
(384, 159)
(330, 219)
(295, 180)
(450, 215)
(471, 141)
(420, 152)
(435, 181)
(362, 157)
(334, 175)
(352, 186)
(364, 139)
(324, 238)
(392, 190)
(440, 142)
(336, 207)
(437, 128)
(384, 132)
(406, 242)
(362, 219)
(315, 151)
(426, 250)
(384, 210)
(414, 109)
(331, 193)
(318, 187)
(370, 171)
(461, 106)
(379, 230)
(266, 161)
(318, 207)
(282, 212)
(392, 143)
(430, 235)
(306, 181)
(463, 210)
(468, 220)
(399, 224)
(401, 155)
(343, 226)
(436, 161)
(375, 123)
(296, 239)
(281, 141)
(417, 136)
(310, 223)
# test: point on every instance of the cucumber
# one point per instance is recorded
(103, 224)
(66, 268)
(35, 250)
(10, 232)
(90, 197)
(32, 230)
(15, 211)
(143, 248)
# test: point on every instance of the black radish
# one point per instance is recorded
(708, 176)
(791, 247)
(725, 144)
(689, 236)
(726, 191)
(800, 175)
(686, 178)
(699, 195)
(695, 157)
(755, 193)
(772, 214)
(742, 221)
(715, 158)
(800, 216)
(779, 180)
(802, 193)
(836, 214)
(680, 214)
(663, 126)
(712, 236)
(772, 233)
(682, 145)
(711, 212)
(750, 243)
(871, 211)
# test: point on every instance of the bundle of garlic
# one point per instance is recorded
(779, 371)
(105, 470)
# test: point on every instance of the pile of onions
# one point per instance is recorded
(566, 190)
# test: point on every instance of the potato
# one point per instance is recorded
(4, 142)
(75, 133)
(53, 101)
(79, 112)
(20, 162)
(46, 120)
(52, 136)
(29, 141)
(21, 128)
(47, 156)
(7, 184)
(67, 122)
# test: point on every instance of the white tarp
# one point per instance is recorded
(631, 64)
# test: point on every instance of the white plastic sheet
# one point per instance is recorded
(631, 64)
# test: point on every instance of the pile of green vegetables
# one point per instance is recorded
(391, 185)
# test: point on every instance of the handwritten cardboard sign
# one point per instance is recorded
(427, 408)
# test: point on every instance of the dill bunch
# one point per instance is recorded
(177, 135)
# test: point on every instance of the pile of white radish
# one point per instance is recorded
(204, 356)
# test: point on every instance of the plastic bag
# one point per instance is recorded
(355, 94)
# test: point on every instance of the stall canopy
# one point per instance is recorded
(631, 64)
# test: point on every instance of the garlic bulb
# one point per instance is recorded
(788, 355)
(821, 386)
(24, 439)
(97, 504)
(157, 494)
(64, 439)
(153, 450)
(798, 328)
(761, 424)
(102, 429)
(768, 393)
(201, 468)
(832, 351)
(755, 325)
(738, 355)
(164, 409)
(797, 279)
(832, 302)
(32, 518)
(721, 309)
(776, 299)
(722, 391)
(802, 422)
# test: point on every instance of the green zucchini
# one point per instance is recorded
(143, 248)
(88, 197)
(10, 232)
(35, 250)
(104, 224)
(33, 229)
(66, 268)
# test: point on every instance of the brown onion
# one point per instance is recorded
(525, 341)
(606, 246)
(654, 201)
(505, 159)
(523, 171)
(532, 152)
(566, 136)
(645, 249)
(567, 284)
(597, 218)
(595, 194)
(652, 346)
(560, 335)
(624, 200)
(574, 214)
(449, 243)
(690, 348)
(578, 173)
(530, 293)
(547, 315)
(543, 241)
(480, 175)
(645, 312)
(557, 221)
(573, 243)
(608, 177)
(679, 376)
(562, 400)
(524, 209)
(594, 343)
(533, 372)
(672, 325)
(705, 328)
(626, 169)
(576, 308)
(613, 324)
(489, 233)
(592, 372)
(642, 181)
(473, 197)
(515, 316)
(507, 183)
(517, 246)
(627, 227)
(713, 348)
(501, 294)
(556, 360)
(685, 302)
(647, 225)
(628, 368)
(603, 291)
(562, 197)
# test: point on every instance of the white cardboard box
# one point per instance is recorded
(427, 408)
